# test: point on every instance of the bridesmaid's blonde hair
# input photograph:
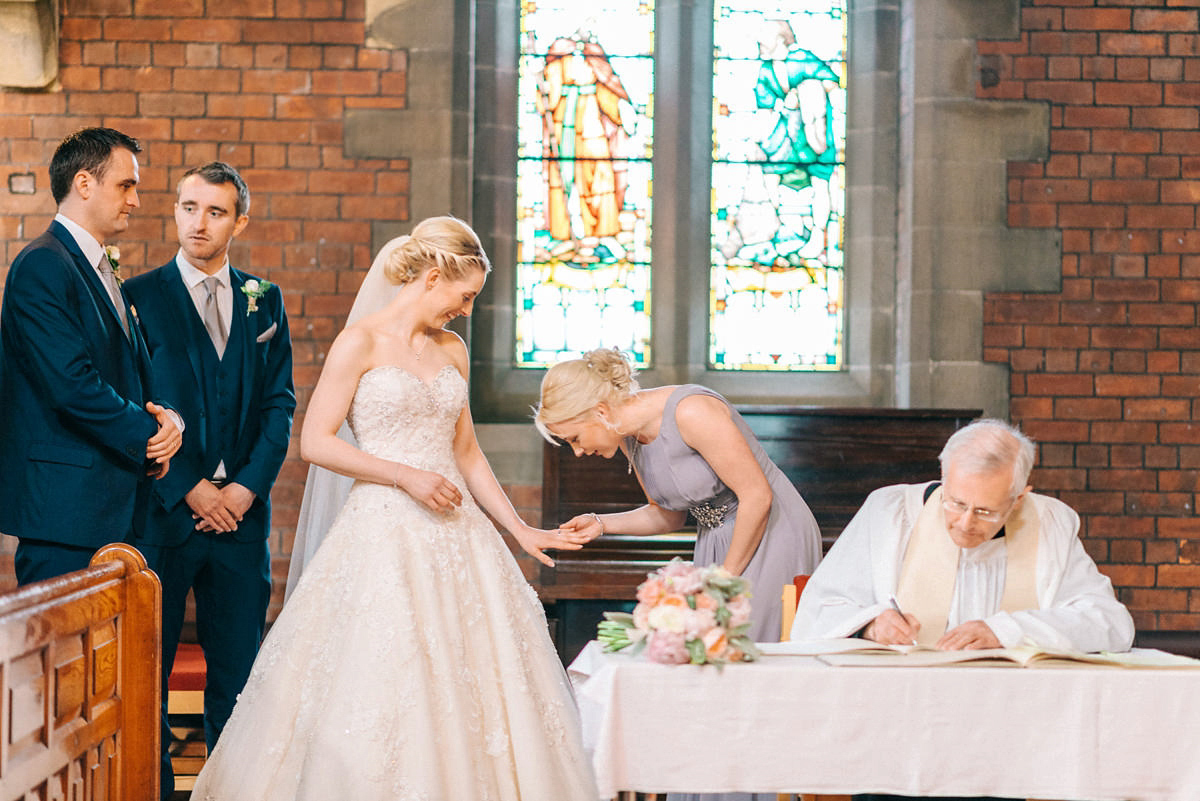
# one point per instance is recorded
(573, 388)
(447, 243)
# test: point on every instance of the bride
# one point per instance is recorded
(411, 660)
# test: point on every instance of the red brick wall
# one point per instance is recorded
(263, 85)
(1106, 373)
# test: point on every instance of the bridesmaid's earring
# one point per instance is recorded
(611, 426)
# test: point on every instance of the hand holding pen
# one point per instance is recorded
(893, 627)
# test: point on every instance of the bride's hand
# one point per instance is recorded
(431, 489)
(536, 540)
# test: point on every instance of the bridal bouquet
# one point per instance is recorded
(685, 614)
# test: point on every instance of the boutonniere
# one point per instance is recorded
(113, 253)
(253, 290)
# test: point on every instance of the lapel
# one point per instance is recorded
(246, 326)
(134, 341)
(86, 271)
(138, 341)
(191, 329)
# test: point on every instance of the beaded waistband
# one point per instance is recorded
(708, 515)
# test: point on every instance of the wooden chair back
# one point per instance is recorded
(791, 598)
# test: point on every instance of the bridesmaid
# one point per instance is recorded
(692, 452)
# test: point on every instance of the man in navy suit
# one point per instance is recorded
(80, 438)
(222, 357)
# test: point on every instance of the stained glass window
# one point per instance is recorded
(778, 178)
(584, 132)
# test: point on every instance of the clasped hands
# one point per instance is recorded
(893, 628)
(165, 442)
(218, 508)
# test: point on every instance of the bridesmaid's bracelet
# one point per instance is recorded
(599, 522)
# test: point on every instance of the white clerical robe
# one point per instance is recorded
(852, 586)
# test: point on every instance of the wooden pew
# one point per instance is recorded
(80, 672)
(834, 456)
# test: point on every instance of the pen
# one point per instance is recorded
(896, 606)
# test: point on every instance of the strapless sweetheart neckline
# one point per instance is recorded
(399, 368)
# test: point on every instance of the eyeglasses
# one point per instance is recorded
(984, 515)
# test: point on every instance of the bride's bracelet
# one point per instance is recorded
(599, 522)
(396, 478)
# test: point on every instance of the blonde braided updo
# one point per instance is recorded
(573, 388)
(447, 243)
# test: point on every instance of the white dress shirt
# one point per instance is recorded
(93, 251)
(193, 279)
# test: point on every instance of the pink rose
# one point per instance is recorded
(667, 648)
(697, 622)
(676, 567)
(683, 577)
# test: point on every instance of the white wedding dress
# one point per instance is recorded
(412, 661)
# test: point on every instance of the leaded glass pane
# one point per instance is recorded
(778, 185)
(585, 125)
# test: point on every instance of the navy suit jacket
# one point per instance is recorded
(175, 334)
(73, 389)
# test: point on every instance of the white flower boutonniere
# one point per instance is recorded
(254, 290)
(114, 258)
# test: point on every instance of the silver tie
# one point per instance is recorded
(114, 291)
(212, 316)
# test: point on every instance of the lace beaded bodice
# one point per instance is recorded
(397, 416)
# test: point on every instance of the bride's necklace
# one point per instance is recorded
(418, 351)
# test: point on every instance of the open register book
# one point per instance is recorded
(858, 652)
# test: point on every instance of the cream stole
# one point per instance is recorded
(930, 567)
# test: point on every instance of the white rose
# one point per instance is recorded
(666, 618)
(114, 253)
(252, 285)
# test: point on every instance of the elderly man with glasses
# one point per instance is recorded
(976, 560)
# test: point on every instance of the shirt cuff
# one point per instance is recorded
(174, 415)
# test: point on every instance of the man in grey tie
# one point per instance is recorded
(80, 438)
(222, 355)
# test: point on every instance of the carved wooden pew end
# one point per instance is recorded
(80, 665)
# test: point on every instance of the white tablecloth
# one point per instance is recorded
(791, 724)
